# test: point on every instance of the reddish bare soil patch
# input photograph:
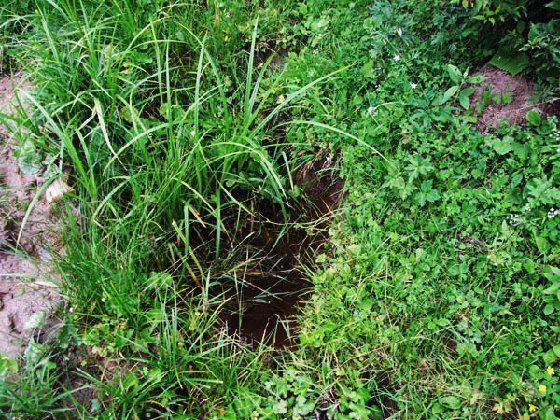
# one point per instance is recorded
(517, 98)
(28, 294)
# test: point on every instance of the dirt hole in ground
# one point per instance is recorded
(265, 292)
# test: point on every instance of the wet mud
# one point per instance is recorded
(266, 292)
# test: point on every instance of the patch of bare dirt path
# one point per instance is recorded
(507, 98)
(28, 290)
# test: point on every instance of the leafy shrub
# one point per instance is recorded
(523, 35)
(543, 43)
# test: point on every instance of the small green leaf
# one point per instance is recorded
(139, 58)
(548, 309)
(464, 97)
(159, 281)
(542, 244)
(367, 69)
(7, 365)
(534, 117)
(451, 402)
(552, 273)
(554, 4)
(533, 34)
(433, 195)
(317, 25)
(95, 405)
(454, 73)
(502, 147)
(476, 80)
(437, 408)
(449, 93)
(180, 35)
(510, 60)
(549, 414)
(29, 158)
(552, 289)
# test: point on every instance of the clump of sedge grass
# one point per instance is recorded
(159, 149)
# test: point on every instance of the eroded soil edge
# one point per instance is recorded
(28, 291)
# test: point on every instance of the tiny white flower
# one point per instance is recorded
(399, 31)
(413, 86)
(371, 110)
(397, 57)
(192, 133)
(515, 220)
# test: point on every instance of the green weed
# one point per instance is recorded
(436, 294)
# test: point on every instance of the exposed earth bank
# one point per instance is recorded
(28, 291)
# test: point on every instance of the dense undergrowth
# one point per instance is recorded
(437, 293)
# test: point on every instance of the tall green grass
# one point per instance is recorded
(160, 140)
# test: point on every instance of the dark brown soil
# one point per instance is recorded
(264, 51)
(267, 292)
(325, 191)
